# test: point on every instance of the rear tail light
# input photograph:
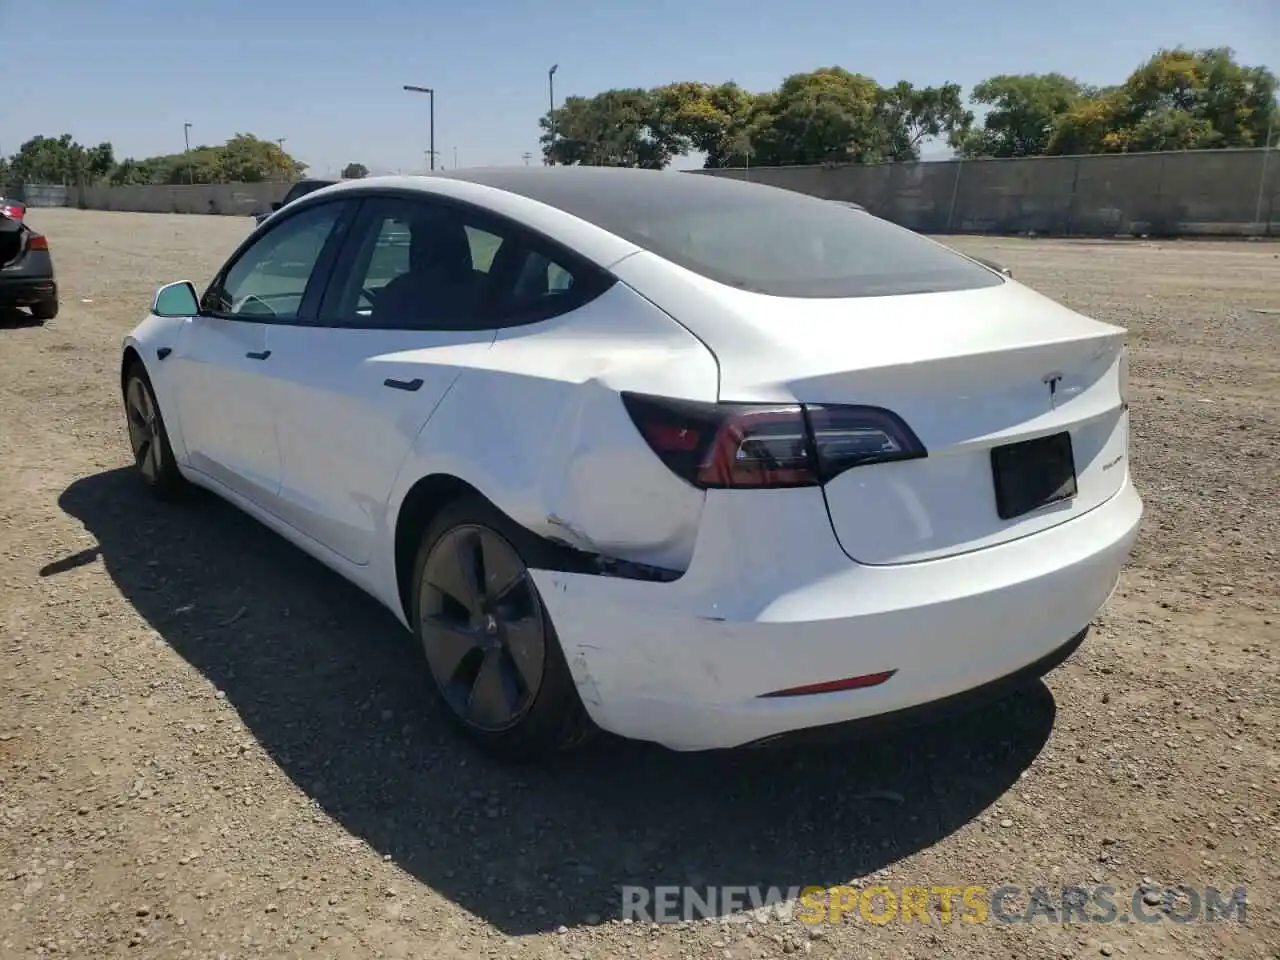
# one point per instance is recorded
(718, 445)
(12, 211)
(37, 241)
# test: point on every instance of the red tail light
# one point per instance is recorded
(719, 445)
(37, 241)
(13, 211)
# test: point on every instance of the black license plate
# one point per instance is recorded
(1033, 474)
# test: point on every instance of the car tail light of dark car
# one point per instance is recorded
(719, 445)
(37, 241)
(14, 211)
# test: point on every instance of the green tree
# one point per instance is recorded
(910, 115)
(828, 114)
(130, 172)
(616, 128)
(705, 118)
(248, 159)
(355, 171)
(1189, 99)
(1025, 109)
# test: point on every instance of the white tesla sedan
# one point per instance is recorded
(692, 460)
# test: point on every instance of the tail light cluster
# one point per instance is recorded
(718, 445)
(14, 211)
(37, 241)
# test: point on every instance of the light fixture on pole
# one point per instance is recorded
(186, 140)
(551, 117)
(432, 108)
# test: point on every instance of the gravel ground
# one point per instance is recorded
(212, 747)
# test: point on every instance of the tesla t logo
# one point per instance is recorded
(1052, 380)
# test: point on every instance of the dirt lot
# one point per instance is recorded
(212, 747)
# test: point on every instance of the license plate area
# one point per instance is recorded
(1032, 474)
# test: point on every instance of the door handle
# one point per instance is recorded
(258, 356)
(409, 385)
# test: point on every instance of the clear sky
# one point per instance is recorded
(327, 75)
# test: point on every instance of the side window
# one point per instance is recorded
(416, 265)
(542, 286)
(270, 278)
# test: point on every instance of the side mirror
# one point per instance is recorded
(176, 300)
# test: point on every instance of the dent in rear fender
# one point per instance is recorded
(537, 425)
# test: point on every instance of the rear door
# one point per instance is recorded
(355, 388)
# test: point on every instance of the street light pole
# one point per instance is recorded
(186, 140)
(551, 117)
(432, 95)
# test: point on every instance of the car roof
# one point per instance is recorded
(582, 207)
(567, 187)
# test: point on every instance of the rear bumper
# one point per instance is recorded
(19, 291)
(770, 602)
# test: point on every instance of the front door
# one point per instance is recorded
(223, 378)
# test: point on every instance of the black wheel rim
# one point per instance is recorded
(482, 627)
(144, 430)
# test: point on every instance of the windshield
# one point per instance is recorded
(750, 236)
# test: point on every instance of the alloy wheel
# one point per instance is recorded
(144, 429)
(482, 626)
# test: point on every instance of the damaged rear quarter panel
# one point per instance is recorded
(537, 425)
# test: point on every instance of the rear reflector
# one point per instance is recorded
(37, 241)
(722, 445)
(833, 686)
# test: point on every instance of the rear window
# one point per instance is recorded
(797, 247)
(756, 238)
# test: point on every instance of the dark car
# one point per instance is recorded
(26, 270)
(298, 190)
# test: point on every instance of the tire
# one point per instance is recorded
(45, 309)
(495, 649)
(148, 437)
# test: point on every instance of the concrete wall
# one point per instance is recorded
(1210, 192)
(233, 199)
(1207, 192)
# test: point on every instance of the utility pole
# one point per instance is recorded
(431, 151)
(186, 139)
(455, 158)
(526, 156)
(551, 117)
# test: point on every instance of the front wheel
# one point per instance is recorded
(490, 646)
(148, 437)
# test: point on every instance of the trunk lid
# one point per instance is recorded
(969, 372)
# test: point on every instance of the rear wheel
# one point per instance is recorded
(490, 646)
(148, 437)
(45, 309)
